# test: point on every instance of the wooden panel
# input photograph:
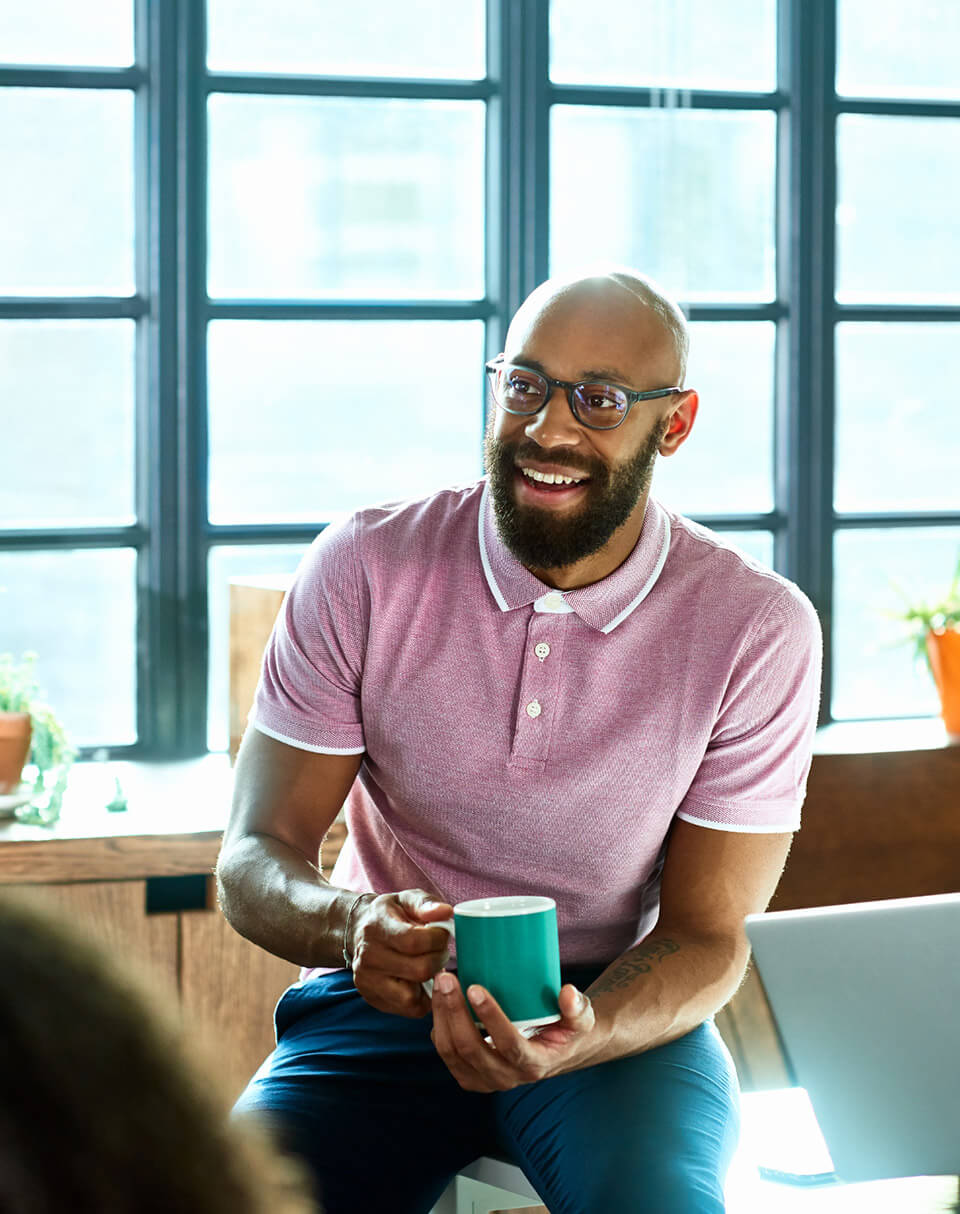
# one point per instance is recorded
(748, 1028)
(229, 989)
(254, 604)
(332, 845)
(876, 826)
(113, 915)
(46, 859)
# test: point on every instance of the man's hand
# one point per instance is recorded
(505, 1059)
(395, 948)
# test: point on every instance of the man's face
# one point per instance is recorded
(552, 526)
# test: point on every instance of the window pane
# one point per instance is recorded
(312, 418)
(886, 48)
(343, 198)
(225, 563)
(703, 44)
(63, 32)
(684, 195)
(896, 386)
(875, 671)
(67, 391)
(66, 207)
(758, 544)
(77, 611)
(364, 38)
(726, 465)
(898, 239)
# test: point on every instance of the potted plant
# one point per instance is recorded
(31, 733)
(936, 633)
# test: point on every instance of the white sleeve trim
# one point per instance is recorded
(780, 829)
(317, 750)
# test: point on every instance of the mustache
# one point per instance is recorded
(560, 455)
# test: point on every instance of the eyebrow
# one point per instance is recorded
(604, 373)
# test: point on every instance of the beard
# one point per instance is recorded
(543, 539)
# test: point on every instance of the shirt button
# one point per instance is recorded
(542, 650)
(553, 601)
(534, 709)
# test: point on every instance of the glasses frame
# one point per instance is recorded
(495, 364)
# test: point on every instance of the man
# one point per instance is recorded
(543, 683)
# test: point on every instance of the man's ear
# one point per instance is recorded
(681, 419)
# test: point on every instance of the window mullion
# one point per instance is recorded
(192, 383)
(158, 681)
(805, 378)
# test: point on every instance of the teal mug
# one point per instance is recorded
(510, 946)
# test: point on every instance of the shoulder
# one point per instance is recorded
(393, 534)
(416, 519)
(733, 585)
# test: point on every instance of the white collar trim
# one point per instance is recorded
(484, 556)
(651, 580)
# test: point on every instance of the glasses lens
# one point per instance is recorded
(519, 390)
(600, 405)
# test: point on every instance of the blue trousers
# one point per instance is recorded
(366, 1101)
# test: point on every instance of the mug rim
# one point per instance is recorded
(501, 907)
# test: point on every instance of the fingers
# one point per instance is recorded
(388, 939)
(474, 1063)
(381, 953)
(394, 951)
(422, 907)
(506, 1058)
(577, 1015)
(389, 994)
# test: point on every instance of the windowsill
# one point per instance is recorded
(881, 737)
(180, 797)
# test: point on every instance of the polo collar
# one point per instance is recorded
(602, 605)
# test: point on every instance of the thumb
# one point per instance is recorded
(575, 1005)
(423, 907)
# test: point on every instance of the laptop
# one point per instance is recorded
(867, 1000)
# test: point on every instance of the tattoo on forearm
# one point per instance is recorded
(638, 960)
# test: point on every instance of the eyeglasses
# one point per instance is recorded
(601, 406)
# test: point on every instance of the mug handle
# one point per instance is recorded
(450, 927)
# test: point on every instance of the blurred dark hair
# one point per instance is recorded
(101, 1109)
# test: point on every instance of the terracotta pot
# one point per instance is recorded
(944, 650)
(14, 748)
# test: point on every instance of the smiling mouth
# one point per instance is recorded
(549, 484)
(551, 478)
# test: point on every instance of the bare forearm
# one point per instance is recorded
(664, 987)
(274, 896)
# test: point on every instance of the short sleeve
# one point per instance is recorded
(753, 775)
(309, 689)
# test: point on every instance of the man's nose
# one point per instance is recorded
(554, 425)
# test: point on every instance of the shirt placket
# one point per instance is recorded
(539, 684)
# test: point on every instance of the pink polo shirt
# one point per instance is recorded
(519, 739)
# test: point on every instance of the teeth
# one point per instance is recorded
(550, 478)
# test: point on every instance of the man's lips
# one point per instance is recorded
(544, 473)
(543, 491)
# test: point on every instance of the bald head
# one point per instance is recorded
(629, 313)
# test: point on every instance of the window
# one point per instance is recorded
(71, 540)
(237, 238)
